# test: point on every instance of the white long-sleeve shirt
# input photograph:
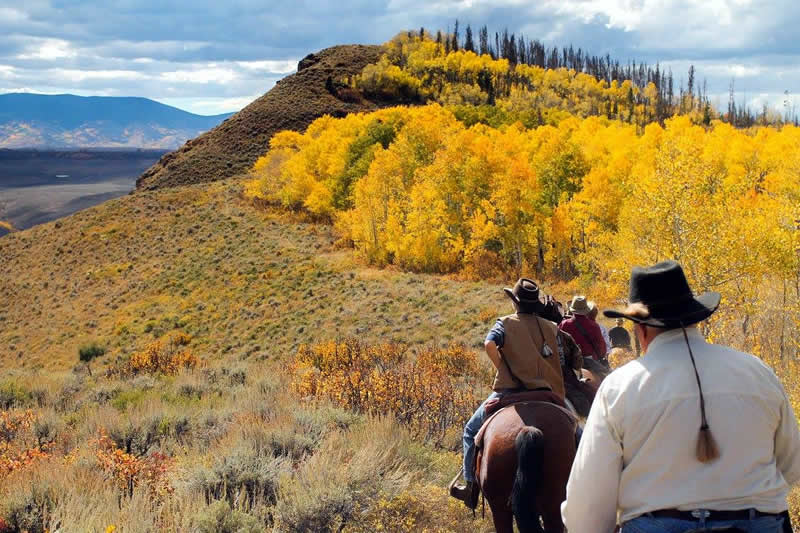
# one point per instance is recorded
(637, 453)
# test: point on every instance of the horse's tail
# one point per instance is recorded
(530, 455)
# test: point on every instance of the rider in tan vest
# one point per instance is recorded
(528, 352)
(527, 335)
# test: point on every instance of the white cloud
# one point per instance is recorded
(741, 71)
(211, 106)
(48, 50)
(279, 67)
(631, 15)
(83, 75)
(208, 74)
(9, 14)
(678, 24)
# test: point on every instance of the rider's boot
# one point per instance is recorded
(467, 493)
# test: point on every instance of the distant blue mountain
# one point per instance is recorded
(69, 121)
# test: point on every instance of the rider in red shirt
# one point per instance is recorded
(584, 330)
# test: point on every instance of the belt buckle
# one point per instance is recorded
(701, 514)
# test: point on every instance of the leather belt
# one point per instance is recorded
(709, 515)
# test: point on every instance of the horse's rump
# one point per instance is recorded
(497, 459)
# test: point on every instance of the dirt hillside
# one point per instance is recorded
(293, 103)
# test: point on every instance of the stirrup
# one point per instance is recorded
(452, 484)
(468, 493)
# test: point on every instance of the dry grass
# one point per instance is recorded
(242, 458)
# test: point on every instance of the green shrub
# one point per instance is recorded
(12, 394)
(343, 479)
(27, 511)
(46, 428)
(127, 398)
(90, 351)
(137, 437)
(244, 474)
(220, 518)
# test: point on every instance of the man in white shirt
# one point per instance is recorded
(690, 437)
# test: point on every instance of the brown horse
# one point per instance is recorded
(526, 456)
(523, 466)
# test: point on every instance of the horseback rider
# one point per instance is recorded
(584, 330)
(642, 460)
(620, 338)
(528, 352)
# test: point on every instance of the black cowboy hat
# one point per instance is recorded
(525, 294)
(664, 290)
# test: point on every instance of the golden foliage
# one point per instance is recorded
(584, 200)
(424, 508)
(421, 69)
(163, 357)
(619, 356)
(431, 392)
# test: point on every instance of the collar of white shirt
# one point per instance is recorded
(674, 335)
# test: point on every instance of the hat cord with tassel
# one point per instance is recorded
(707, 449)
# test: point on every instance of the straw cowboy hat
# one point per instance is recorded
(580, 306)
(660, 297)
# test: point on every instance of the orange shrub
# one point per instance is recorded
(12, 422)
(163, 357)
(128, 471)
(431, 392)
(16, 456)
(11, 461)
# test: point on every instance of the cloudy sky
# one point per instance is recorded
(212, 56)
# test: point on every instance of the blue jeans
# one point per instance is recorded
(647, 524)
(470, 430)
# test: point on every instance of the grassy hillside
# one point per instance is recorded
(242, 286)
(293, 103)
(243, 281)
